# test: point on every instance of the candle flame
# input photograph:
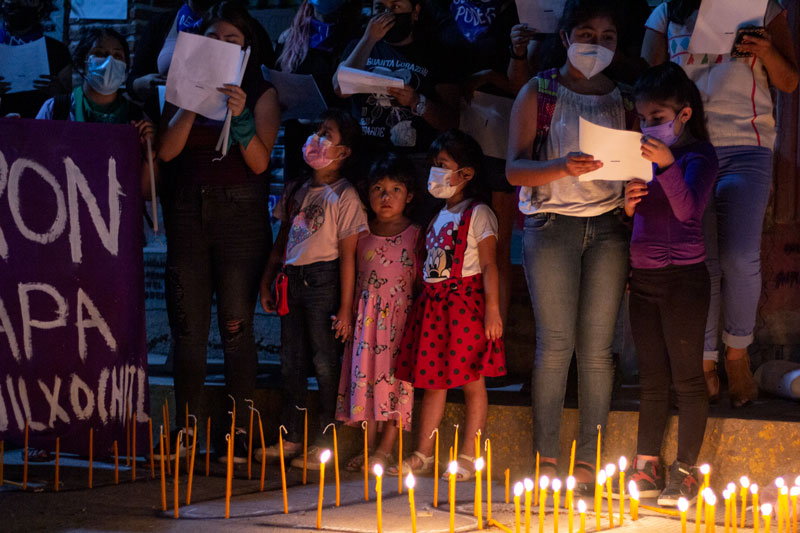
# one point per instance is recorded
(711, 499)
(795, 491)
(544, 481)
(623, 463)
(570, 483)
(705, 469)
(601, 477)
(556, 485)
(732, 488)
(683, 504)
(610, 469)
(726, 495)
(797, 481)
(779, 482)
(633, 490)
(753, 489)
(518, 488)
(453, 468)
(410, 481)
(766, 509)
(528, 484)
(325, 456)
(784, 491)
(582, 507)
(479, 463)
(744, 481)
(707, 492)
(378, 470)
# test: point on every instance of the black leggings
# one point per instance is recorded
(668, 309)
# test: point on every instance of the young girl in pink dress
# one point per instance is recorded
(387, 266)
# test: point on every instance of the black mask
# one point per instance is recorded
(203, 5)
(401, 29)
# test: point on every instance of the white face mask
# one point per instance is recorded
(589, 59)
(105, 74)
(439, 183)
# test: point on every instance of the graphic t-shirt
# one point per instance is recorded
(322, 215)
(441, 236)
(384, 122)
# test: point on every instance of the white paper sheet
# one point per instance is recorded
(619, 150)
(298, 94)
(99, 9)
(718, 20)
(355, 81)
(486, 118)
(541, 14)
(199, 66)
(21, 64)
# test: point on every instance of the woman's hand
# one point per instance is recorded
(378, 26)
(343, 324)
(236, 98)
(265, 293)
(656, 151)
(635, 190)
(143, 84)
(493, 324)
(577, 164)
(48, 84)
(758, 46)
(521, 35)
(406, 96)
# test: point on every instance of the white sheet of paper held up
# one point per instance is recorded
(718, 20)
(486, 118)
(199, 66)
(21, 64)
(355, 81)
(619, 150)
(298, 94)
(542, 15)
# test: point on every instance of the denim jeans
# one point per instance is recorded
(218, 239)
(576, 269)
(732, 225)
(307, 340)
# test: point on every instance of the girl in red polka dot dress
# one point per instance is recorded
(453, 337)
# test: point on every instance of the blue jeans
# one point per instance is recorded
(733, 224)
(307, 340)
(576, 268)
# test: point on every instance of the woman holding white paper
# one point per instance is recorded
(575, 246)
(739, 107)
(218, 232)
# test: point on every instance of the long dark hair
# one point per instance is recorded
(350, 133)
(666, 84)
(466, 152)
(576, 12)
(237, 15)
(395, 167)
(88, 41)
(679, 10)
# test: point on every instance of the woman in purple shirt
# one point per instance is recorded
(669, 285)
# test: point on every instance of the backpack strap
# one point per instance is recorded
(547, 86)
(61, 106)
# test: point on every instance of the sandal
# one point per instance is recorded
(380, 458)
(426, 468)
(462, 473)
(585, 488)
(38, 455)
(356, 463)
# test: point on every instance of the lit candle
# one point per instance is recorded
(323, 458)
(683, 506)
(410, 482)
(556, 502)
(366, 461)
(177, 472)
(305, 443)
(508, 478)
(610, 469)
(379, 491)
(208, 445)
(477, 444)
(91, 455)
(784, 516)
(756, 518)
(779, 484)
(598, 498)
(544, 481)
(478, 497)
(228, 473)
(163, 475)
(726, 495)
(281, 431)
(623, 464)
(527, 484)
(488, 446)
(518, 488)
(452, 470)
(249, 438)
(191, 462)
(582, 511)
(536, 482)
(263, 449)
(732, 492)
(152, 455)
(570, 502)
(698, 509)
(766, 511)
(400, 454)
(745, 484)
(116, 463)
(794, 493)
(705, 469)
(435, 467)
(572, 460)
(711, 502)
(634, 492)
(335, 459)
(58, 455)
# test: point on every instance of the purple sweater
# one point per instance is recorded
(667, 223)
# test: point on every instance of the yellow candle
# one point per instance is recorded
(263, 449)
(126, 415)
(305, 443)
(249, 439)
(726, 495)
(452, 469)
(556, 502)
(570, 503)
(478, 497)
(25, 459)
(379, 492)
(208, 445)
(705, 469)
(610, 468)
(177, 472)
(228, 474)
(572, 460)
(599, 432)
(711, 502)
(683, 507)
(508, 479)
(91, 455)
(623, 464)
(756, 517)
(544, 482)
(582, 511)
(410, 482)
(435, 468)
(488, 446)
(166, 434)
(281, 431)
(152, 455)
(477, 444)
(2, 459)
(335, 459)
(766, 510)
(698, 510)
(527, 484)
(191, 462)
(455, 443)
(323, 458)
(745, 484)
(536, 482)
(634, 492)
(598, 499)
(794, 493)
(116, 463)
(400, 454)
(366, 461)
(163, 475)
(517, 493)
(58, 454)
(133, 448)
(732, 496)
(779, 484)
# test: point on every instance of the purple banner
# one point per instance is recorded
(72, 329)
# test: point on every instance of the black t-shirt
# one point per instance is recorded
(384, 122)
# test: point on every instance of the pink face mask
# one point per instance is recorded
(315, 152)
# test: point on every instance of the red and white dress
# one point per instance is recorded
(444, 345)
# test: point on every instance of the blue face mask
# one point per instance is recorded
(663, 132)
(105, 74)
(321, 35)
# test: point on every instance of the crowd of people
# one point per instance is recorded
(391, 269)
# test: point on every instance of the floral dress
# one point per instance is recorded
(368, 389)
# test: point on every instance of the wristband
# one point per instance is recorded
(243, 128)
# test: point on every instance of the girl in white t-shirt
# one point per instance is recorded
(315, 253)
(453, 337)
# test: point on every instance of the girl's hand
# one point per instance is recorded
(635, 190)
(521, 35)
(265, 294)
(147, 131)
(657, 152)
(493, 324)
(758, 46)
(236, 98)
(48, 84)
(378, 26)
(406, 96)
(576, 164)
(343, 324)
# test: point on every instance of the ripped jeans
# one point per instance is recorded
(218, 239)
